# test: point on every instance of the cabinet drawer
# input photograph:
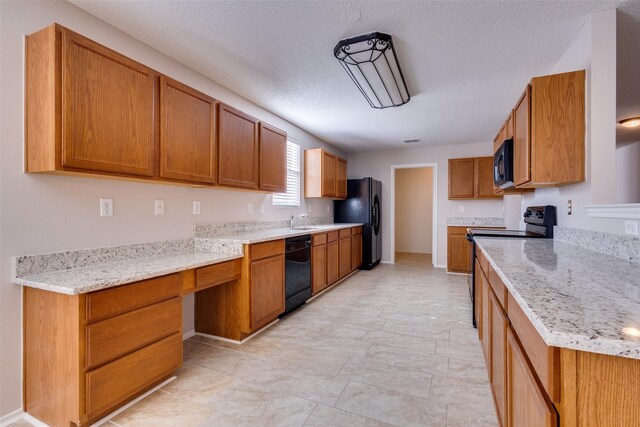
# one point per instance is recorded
(102, 304)
(345, 232)
(267, 249)
(319, 239)
(114, 337)
(356, 230)
(332, 236)
(118, 381)
(498, 287)
(543, 359)
(218, 274)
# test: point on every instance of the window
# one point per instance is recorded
(292, 196)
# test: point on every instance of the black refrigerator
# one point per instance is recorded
(363, 205)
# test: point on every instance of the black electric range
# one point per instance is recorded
(539, 223)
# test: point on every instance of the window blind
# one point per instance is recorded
(292, 196)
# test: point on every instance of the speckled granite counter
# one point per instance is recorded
(257, 236)
(475, 221)
(574, 297)
(95, 277)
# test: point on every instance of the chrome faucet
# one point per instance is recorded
(293, 219)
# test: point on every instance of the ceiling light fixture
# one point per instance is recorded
(631, 122)
(372, 63)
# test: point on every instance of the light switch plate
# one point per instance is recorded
(106, 207)
(159, 207)
(309, 208)
(631, 227)
(261, 208)
(328, 209)
(461, 208)
(250, 208)
(196, 207)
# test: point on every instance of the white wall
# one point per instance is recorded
(377, 164)
(594, 50)
(414, 210)
(628, 173)
(44, 213)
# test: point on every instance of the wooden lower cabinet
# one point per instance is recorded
(498, 348)
(527, 406)
(344, 256)
(458, 250)
(333, 272)
(356, 251)
(267, 290)
(85, 355)
(318, 268)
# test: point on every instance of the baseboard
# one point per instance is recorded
(11, 417)
(33, 421)
(188, 334)
(440, 266)
(331, 287)
(458, 274)
(229, 340)
(386, 262)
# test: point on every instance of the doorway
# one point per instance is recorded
(414, 236)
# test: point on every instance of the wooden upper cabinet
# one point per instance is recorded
(483, 178)
(88, 108)
(461, 178)
(238, 148)
(325, 175)
(471, 178)
(187, 133)
(522, 139)
(341, 178)
(273, 159)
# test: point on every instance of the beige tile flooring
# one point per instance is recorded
(391, 346)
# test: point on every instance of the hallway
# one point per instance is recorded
(391, 346)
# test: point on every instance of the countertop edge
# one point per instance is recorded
(246, 241)
(604, 346)
(97, 286)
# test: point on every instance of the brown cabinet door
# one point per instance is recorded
(522, 139)
(527, 403)
(318, 268)
(187, 144)
(328, 175)
(273, 159)
(238, 153)
(108, 109)
(484, 184)
(498, 354)
(508, 127)
(356, 251)
(333, 274)
(458, 250)
(341, 178)
(344, 256)
(461, 185)
(267, 290)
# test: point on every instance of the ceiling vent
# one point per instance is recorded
(411, 141)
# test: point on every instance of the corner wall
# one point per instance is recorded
(45, 213)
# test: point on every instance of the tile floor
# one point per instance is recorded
(393, 346)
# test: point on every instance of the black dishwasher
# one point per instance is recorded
(297, 271)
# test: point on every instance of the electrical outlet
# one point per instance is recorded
(569, 207)
(631, 227)
(159, 207)
(196, 207)
(461, 208)
(309, 208)
(328, 209)
(250, 208)
(106, 207)
(261, 208)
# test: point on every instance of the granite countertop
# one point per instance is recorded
(250, 237)
(95, 277)
(475, 221)
(574, 297)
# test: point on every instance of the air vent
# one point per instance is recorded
(411, 141)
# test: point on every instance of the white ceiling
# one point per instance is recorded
(465, 63)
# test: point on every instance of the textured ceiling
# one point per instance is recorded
(465, 63)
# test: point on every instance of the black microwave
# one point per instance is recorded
(503, 165)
